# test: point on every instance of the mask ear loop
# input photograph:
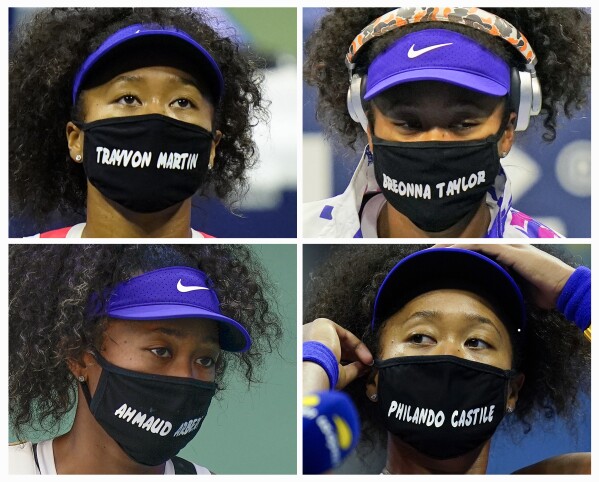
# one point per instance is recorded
(85, 389)
(505, 120)
(83, 381)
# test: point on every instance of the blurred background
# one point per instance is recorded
(269, 210)
(249, 431)
(510, 451)
(550, 181)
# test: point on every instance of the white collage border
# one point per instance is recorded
(298, 241)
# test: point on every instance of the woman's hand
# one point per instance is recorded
(545, 275)
(345, 346)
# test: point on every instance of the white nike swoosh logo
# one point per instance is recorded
(185, 289)
(412, 54)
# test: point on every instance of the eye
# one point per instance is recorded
(128, 99)
(420, 339)
(184, 103)
(408, 125)
(161, 352)
(206, 362)
(464, 125)
(477, 343)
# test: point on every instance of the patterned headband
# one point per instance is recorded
(471, 17)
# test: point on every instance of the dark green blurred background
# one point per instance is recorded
(251, 431)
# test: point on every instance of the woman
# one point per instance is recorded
(137, 338)
(156, 105)
(437, 94)
(437, 346)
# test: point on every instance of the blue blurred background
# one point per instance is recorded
(510, 451)
(550, 181)
(269, 210)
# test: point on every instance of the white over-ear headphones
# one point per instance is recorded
(525, 89)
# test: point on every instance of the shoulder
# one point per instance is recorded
(180, 466)
(339, 216)
(199, 234)
(55, 233)
(21, 459)
(520, 225)
(68, 232)
(335, 217)
(574, 463)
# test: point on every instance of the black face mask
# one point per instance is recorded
(151, 417)
(146, 163)
(443, 406)
(436, 184)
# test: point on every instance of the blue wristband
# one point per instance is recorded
(322, 355)
(575, 299)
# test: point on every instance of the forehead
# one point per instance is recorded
(449, 308)
(148, 75)
(193, 330)
(149, 59)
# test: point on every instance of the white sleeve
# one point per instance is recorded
(20, 459)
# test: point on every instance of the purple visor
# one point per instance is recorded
(175, 292)
(450, 268)
(153, 36)
(441, 55)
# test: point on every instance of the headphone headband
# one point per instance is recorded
(471, 17)
(525, 89)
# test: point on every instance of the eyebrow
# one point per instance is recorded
(468, 109)
(484, 320)
(139, 78)
(472, 317)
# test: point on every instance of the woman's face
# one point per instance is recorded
(447, 322)
(186, 347)
(436, 111)
(149, 90)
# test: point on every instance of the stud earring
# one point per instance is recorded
(374, 397)
(509, 409)
(78, 157)
(81, 378)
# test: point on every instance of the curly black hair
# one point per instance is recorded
(45, 54)
(49, 325)
(555, 357)
(561, 38)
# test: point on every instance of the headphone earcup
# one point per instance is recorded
(354, 102)
(525, 97)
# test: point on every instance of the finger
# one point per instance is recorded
(505, 254)
(348, 373)
(352, 347)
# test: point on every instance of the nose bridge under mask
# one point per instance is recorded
(443, 406)
(151, 417)
(146, 163)
(436, 183)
